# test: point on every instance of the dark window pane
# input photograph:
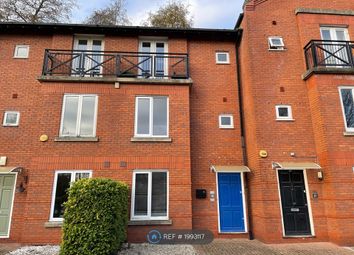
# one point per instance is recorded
(61, 196)
(143, 121)
(141, 194)
(226, 121)
(222, 57)
(348, 104)
(283, 112)
(159, 194)
(160, 116)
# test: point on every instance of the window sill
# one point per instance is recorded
(299, 236)
(151, 139)
(149, 222)
(53, 224)
(76, 139)
(276, 49)
(350, 133)
(289, 120)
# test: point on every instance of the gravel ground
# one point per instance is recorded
(135, 249)
(36, 250)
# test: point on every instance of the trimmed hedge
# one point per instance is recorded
(95, 217)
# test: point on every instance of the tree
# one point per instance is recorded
(113, 14)
(175, 14)
(34, 11)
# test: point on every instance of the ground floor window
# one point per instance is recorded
(62, 182)
(150, 195)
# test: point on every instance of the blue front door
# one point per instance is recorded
(230, 202)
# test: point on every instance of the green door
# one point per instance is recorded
(7, 185)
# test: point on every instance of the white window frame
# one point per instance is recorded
(17, 47)
(347, 129)
(151, 117)
(227, 57)
(273, 46)
(5, 124)
(227, 116)
(148, 216)
(290, 113)
(153, 42)
(54, 189)
(78, 120)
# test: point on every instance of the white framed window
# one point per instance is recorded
(79, 116)
(347, 102)
(283, 112)
(62, 181)
(276, 43)
(226, 121)
(11, 119)
(150, 194)
(151, 116)
(153, 62)
(222, 57)
(21, 51)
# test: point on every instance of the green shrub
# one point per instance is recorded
(95, 217)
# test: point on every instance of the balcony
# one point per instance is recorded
(329, 57)
(108, 66)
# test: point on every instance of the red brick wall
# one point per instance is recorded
(317, 132)
(214, 92)
(40, 105)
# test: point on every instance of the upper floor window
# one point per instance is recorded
(151, 116)
(334, 33)
(284, 112)
(276, 43)
(21, 51)
(88, 58)
(153, 61)
(222, 58)
(226, 121)
(150, 195)
(11, 119)
(62, 182)
(347, 95)
(79, 116)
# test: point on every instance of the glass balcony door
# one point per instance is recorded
(152, 60)
(335, 52)
(88, 56)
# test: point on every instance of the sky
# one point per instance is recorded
(205, 13)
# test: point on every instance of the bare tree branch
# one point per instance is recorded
(113, 14)
(175, 14)
(36, 10)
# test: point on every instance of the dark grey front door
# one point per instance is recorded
(294, 202)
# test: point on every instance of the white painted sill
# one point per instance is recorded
(285, 120)
(348, 133)
(149, 222)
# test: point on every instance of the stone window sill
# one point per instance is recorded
(151, 139)
(53, 224)
(348, 133)
(149, 222)
(285, 120)
(76, 139)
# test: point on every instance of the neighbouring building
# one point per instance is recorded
(297, 82)
(247, 132)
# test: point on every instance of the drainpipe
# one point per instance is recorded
(242, 125)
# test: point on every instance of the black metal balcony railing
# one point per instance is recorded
(329, 54)
(117, 64)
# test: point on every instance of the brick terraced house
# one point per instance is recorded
(245, 132)
(297, 82)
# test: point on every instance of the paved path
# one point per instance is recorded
(254, 247)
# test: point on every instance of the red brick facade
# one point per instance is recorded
(270, 78)
(267, 78)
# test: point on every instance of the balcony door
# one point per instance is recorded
(88, 56)
(153, 60)
(335, 50)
